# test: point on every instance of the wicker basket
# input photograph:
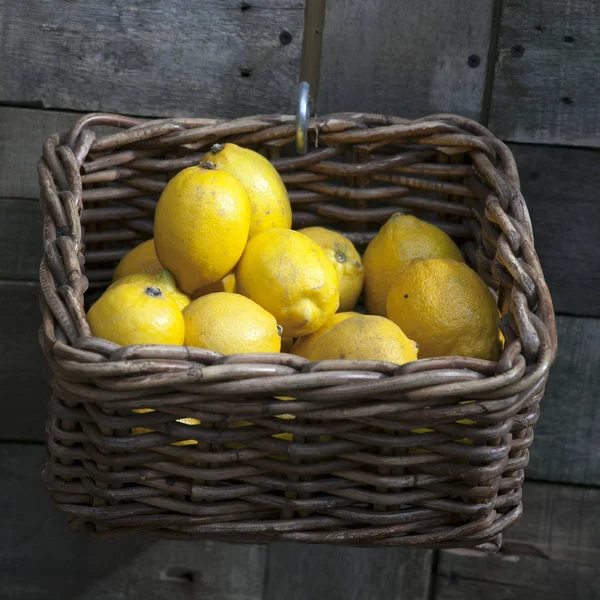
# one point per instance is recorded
(359, 469)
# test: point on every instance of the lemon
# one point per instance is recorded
(401, 239)
(133, 312)
(141, 259)
(163, 281)
(227, 284)
(230, 324)
(268, 197)
(201, 226)
(290, 276)
(365, 337)
(447, 308)
(304, 345)
(346, 261)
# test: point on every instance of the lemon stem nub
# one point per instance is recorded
(208, 165)
(154, 292)
(340, 257)
(216, 148)
(280, 330)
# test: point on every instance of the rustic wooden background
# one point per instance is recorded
(528, 68)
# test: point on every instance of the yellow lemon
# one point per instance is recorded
(227, 284)
(134, 312)
(402, 239)
(201, 226)
(268, 197)
(304, 345)
(141, 259)
(163, 281)
(230, 324)
(447, 308)
(365, 337)
(346, 261)
(290, 276)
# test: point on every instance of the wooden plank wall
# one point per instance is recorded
(548, 556)
(545, 84)
(529, 66)
(408, 58)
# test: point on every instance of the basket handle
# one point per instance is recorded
(310, 67)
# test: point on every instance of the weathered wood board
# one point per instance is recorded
(130, 64)
(561, 186)
(21, 244)
(40, 559)
(551, 554)
(25, 391)
(298, 572)
(167, 57)
(566, 447)
(546, 87)
(22, 134)
(409, 58)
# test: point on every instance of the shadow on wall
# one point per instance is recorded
(42, 559)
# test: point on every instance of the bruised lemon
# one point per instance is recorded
(447, 309)
(269, 202)
(133, 312)
(230, 324)
(304, 345)
(163, 281)
(402, 239)
(345, 260)
(201, 226)
(364, 337)
(290, 276)
(141, 259)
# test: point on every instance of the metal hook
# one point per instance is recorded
(302, 112)
(310, 63)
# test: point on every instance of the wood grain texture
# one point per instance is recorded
(20, 239)
(166, 57)
(25, 391)
(566, 446)
(407, 58)
(22, 134)
(551, 554)
(297, 572)
(560, 186)
(43, 560)
(546, 87)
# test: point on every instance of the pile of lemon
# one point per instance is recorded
(226, 272)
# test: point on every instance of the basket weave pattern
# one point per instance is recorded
(430, 454)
